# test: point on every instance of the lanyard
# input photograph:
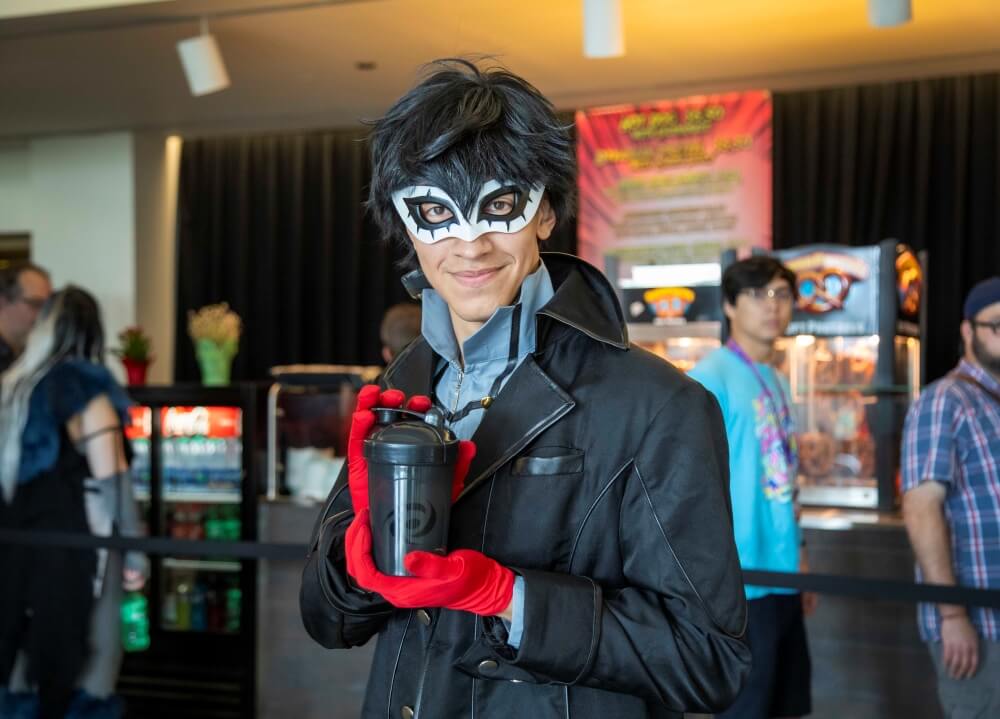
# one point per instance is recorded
(784, 416)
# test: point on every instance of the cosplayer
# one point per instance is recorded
(592, 570)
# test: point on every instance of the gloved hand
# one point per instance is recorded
(361, 424)
(464, 579)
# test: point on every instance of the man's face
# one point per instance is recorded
(19, 314)
(982, 341)
(762, 317)
(475, 278)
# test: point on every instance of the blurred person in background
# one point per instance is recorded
(400, 326)
(758, 295)
(23, 291)
(63, 468)
(951, 506)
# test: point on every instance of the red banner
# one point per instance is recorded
(675, 181)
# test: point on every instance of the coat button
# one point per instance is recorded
(424, 617)
(488, 665)
(406, 712)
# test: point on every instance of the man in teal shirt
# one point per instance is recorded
(755, 401)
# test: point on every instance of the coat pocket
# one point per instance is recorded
(545, 461)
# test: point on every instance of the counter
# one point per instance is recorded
(296, 677)
(868, 660)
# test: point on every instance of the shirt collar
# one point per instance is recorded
(492, 340)
(978, 373)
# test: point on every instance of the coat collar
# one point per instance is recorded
(584, 299)
(583, 302)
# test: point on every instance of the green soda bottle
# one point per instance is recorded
(135, 622)
(234, 598)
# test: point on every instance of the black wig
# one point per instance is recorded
(462, 126)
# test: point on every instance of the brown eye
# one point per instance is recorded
(435, 213)
(500, 206)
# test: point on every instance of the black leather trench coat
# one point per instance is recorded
(602, 478)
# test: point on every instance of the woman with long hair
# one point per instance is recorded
(63, 468)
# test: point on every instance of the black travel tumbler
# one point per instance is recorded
(411, 465)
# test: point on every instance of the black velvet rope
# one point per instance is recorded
(833, 584)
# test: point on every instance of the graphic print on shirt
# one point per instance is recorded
(778, 477)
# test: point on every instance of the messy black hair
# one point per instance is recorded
(462, 126)
(755, 272)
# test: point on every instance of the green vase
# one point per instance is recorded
(215, 361)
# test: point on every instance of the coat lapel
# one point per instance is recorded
(411, 370)
(528, 404)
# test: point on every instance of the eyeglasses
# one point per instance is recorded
(993, 326)
(35, 303)
(782, 295)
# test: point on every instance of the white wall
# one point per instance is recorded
(156, 163)
(83, 219)
(15, 190)
(100, 210)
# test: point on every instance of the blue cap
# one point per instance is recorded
(982, 296)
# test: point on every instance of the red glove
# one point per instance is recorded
(464, 579)
(361, 424)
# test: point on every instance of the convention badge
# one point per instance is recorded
(432, 215)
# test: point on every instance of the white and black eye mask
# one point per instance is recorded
(432, 215)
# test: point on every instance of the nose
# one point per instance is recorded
(471, 250)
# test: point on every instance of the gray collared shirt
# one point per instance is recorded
(486, 352)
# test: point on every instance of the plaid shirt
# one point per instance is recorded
(952, 436)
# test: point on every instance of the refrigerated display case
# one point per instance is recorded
(673, 311)
(193, 474)
(853, 359)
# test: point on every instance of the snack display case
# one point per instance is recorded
(853, 359)
(673, 311)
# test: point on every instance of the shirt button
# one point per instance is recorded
(488, 665)
(406, 712)
(424, 617)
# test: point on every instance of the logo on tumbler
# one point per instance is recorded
(419, 521)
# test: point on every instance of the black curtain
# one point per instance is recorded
(915, 161)
(275, 226)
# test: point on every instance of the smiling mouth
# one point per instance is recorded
(476, 278)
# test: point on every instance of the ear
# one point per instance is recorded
(728, 310)
(546, 219)
(966, 329)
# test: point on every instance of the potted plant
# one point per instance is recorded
(215, 331)
(135, 351)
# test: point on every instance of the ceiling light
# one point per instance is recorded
(202, 62)
(603, 30)
(889, 13)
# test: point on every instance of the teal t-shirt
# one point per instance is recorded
(761, 484)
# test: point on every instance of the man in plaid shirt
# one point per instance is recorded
(951, 506)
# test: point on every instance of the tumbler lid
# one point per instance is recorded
(406, 437)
